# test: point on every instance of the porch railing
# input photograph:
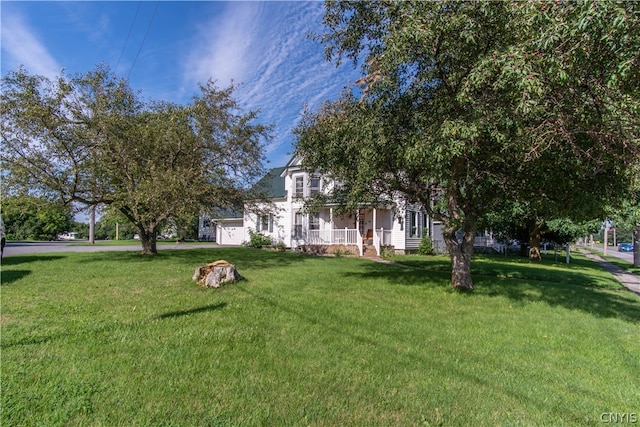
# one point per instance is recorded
(348, 236)
(344, 236)
(381, 238)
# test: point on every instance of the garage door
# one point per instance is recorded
(230, 233)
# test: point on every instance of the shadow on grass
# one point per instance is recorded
(578, 287)
(10, 275)
(21, 259)
(180, 313)
(35, 339)
(586, 298)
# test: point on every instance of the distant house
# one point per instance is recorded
(399, 225)
(68, 236)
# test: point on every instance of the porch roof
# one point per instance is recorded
(226, 213)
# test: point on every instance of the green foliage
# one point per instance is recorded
(426, 246)
(258, 240)
(92, 139)
(110, 219)
(563, 231)
(32, 218)
(386, 253)
(473, 103)
(341, 252)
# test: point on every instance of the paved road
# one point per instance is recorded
(613, 251)
(19, 248)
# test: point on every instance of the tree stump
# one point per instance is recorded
(215, 274)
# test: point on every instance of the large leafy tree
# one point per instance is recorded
(33, 218)
(465, 104)
(93, 140)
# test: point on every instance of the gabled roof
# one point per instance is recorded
(272, 184)
(294, 161)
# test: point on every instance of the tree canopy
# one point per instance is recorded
(32, 218)
(91, 139)
(465, 104)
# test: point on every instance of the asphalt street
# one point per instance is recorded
(613, 251)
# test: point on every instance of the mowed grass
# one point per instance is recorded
(118, 339)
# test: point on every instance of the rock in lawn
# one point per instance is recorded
(215, 274)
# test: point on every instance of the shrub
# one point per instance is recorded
(387, 252)
(426, 246)
(341, 252)
(258, 240)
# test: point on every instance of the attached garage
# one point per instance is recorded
(230, 231)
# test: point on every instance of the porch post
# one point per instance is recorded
(376, 240)
(374, 219)
(331, 225)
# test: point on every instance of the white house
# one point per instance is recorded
(398, 225)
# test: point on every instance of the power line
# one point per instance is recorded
(128, 35)
(144, 38)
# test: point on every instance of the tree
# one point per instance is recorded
(92, 140)
(461, 101)
(111, 220)
(32, 218)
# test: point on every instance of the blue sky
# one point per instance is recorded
(167, 48)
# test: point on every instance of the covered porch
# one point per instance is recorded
(362, 228)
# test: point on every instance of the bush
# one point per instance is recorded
(258, 240)
(341, 252)
(426, 246)
(387, 252)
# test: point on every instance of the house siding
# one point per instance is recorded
(285, 184)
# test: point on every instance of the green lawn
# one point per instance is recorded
(114, 338)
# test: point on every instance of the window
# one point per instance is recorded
(425, 224)
(314, 222)
(414, 224)
(314, 185)
(297, 226)
(299, 186)
(265, 223)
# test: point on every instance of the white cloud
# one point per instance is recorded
(24, 48)
(264, 47)
(220, 47)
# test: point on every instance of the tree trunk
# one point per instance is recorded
(524, 249)
(534, 242)
(148, 241)
(636, 246)
(460, 253)
(92, 224)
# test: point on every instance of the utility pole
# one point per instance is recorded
(92, 223)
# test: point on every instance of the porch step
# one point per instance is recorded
(369, 252)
